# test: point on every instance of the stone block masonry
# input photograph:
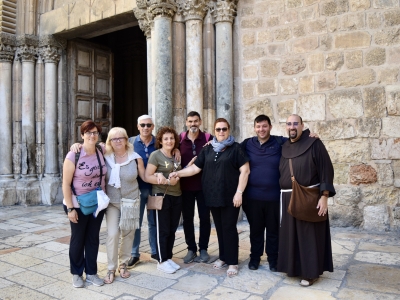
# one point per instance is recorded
(336, 63)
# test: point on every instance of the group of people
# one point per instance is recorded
(213, 171)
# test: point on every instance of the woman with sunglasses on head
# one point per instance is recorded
(124, 166)
(161, 163)
(84, 176)
(225, 172)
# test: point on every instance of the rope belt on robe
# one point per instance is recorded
(289, 190)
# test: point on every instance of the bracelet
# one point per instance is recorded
(239, 191)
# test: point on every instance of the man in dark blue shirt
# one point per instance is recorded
(262, 194)
(144, 145)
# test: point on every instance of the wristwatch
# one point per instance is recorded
(70, 209)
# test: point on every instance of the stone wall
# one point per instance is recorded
(335, 63)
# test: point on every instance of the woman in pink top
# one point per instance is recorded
(85, 229)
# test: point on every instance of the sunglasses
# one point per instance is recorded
(290, 123)
(148, 125)
(224, 129)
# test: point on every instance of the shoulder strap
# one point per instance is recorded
(182, 136)
(208, 135)
(279, 139)
(291, 169)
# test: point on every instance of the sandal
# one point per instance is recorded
(308, 281)
(219, 264)
(123, 272)
(109, 277)
(232, 270)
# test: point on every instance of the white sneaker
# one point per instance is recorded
(174, 264)
(166, 267)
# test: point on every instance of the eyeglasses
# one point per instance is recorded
(118, 139)
(224, 129)
(290, 123)
(90, 133)
(147, 124)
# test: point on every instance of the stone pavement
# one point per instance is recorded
(34, 265)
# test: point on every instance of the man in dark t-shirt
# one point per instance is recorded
(262, 194)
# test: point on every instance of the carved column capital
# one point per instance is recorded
(224, 11)
(51, 40)
(50, 54)
(7, 47)
(193, 9)
(27, 47)
(145, 20)
(165, 8)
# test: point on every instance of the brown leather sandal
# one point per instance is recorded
(109, 277)
(123, 271)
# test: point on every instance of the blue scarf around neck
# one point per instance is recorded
(219, 146)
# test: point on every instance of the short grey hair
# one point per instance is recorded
(143, 117)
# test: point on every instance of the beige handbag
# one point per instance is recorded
(155, 202)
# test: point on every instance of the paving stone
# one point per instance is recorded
(37, 252)
(343, 246)
(374, 278)
(252, 281)
(23, 293)
(336, 274)
(18, 259)
(55, 234)
(226, 293)
(351, 294)
(54, 246)
(7, 269)
(4, 249)
(321, 284)
(380, 248)
(4, 283)
(196, 284)
(48, 268)
(63, 290)
(340, 261)
(60, 259)
(31, 279)
(24, 240)
(117, 288)
(171, 294)
(151, 282)
(379, 258)
(300, 293)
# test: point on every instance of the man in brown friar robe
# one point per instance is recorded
(305, 247)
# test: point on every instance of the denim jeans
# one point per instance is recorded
(151, 225)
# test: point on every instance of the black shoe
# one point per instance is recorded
(253, 264)
(154, 256)
(272, 268)
(133, 261)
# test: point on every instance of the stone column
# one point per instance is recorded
(162, 12)
(179, 72)
(194, 12)
(146, 24)
(209, 73)
(224, 13)
(51, 57)
(27, 52)
(7, 43)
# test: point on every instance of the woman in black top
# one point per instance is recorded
(225, 172)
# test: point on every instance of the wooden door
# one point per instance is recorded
(90, 75)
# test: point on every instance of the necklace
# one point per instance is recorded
(162, 151)
(120, 156)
